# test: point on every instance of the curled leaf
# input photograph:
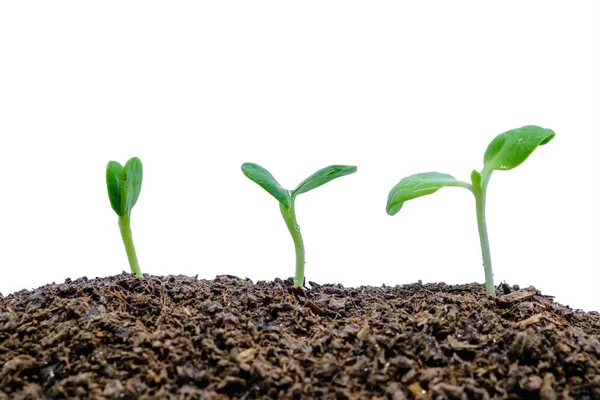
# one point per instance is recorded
(264, 179)
(509, 149)
(131, 184)
(113, 185)
(418, 185)
(323, 176)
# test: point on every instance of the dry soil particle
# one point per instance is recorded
(176, 337)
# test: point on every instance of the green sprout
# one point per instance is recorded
(507, 151)
(287, 200)
(124, 184)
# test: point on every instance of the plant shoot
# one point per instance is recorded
(287, 200)
(507, 151)
(124, 184)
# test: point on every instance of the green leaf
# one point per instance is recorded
(113, 183)
(323, 176)
(509, 149)
(418, 185)
(264, 179)
(131, 184)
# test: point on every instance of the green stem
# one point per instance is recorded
(483, 234)
(289, 215)
(124, 225)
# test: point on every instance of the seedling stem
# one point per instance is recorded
(125, 226)
(289, 216)
(483, 233)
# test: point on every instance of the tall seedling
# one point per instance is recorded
(507, 151)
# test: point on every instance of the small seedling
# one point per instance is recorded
(124, 184)
(287, 200)
(507, 151)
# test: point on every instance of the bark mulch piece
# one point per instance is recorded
(177, 337)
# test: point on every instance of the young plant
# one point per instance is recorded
(287, 200)
(124, 184)
(507, 151)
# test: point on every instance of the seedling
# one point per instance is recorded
(124, 184)
(507, 151)
(287, 200)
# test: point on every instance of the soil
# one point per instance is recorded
(176, 337)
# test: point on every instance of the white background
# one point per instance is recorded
(197, 88)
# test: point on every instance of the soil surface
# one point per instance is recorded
(177, 337)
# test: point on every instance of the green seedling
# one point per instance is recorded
(287, 199)
(507, 151)
(124, 184)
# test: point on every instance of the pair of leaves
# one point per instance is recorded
(507, 151)
(264, 179)
(124, 184)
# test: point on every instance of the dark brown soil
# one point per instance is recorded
(181, 338)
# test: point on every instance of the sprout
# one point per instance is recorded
(507, 151)
(287, 200)
(124, 185)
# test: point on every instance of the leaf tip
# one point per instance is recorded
(550, 134)
(393, 203)
(392, 209)
(248, 169)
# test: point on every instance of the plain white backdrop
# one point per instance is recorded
(197, 88)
